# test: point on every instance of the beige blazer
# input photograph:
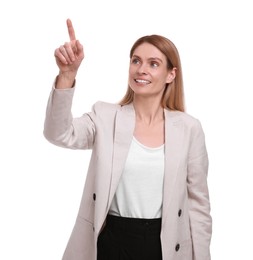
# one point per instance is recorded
(108, 131)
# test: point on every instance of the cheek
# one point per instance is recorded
(165, 78)
(131, 73)
(131, 70)
(130, 79)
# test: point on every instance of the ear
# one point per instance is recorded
(171, 75)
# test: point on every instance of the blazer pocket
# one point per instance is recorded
(81, 243)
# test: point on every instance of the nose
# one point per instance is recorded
(142, 69)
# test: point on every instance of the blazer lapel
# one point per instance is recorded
(124, 129)
(173, 144)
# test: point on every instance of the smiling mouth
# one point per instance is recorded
(142, 81)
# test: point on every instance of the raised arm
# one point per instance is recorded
(68, 59)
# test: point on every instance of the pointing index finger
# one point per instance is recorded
(71, 30)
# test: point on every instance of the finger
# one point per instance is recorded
(58, 55)
(79, 49)
(65, 54)
(71, 30)
(70, 50)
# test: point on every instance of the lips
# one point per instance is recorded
(142, 81)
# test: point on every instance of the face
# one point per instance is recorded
(148, 72)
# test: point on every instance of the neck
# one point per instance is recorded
(148, 110)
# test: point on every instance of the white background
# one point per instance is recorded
(41, 184)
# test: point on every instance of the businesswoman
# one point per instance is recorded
(146, 194)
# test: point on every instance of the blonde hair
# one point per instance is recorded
(173, 96)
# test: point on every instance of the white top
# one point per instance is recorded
(139, 193)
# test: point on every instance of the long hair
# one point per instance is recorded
(173, 96)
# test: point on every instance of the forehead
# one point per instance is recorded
(147, 50)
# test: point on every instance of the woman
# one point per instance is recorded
(146, 194)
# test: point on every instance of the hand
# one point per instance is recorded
(70, 55)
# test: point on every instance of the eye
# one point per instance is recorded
(154, 64)
(135, 61)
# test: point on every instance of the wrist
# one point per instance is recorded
(65, 80)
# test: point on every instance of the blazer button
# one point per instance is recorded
(177, 247)
(94, 196)
(180, 213)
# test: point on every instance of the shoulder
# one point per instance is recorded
(105, 107)
(184, 118)
(104, 110)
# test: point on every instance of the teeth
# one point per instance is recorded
(142, 81)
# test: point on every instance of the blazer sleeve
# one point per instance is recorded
(199, 205)
(61, 129)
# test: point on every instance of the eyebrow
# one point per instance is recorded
(151, 58)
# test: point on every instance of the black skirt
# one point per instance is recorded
(130, 239)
